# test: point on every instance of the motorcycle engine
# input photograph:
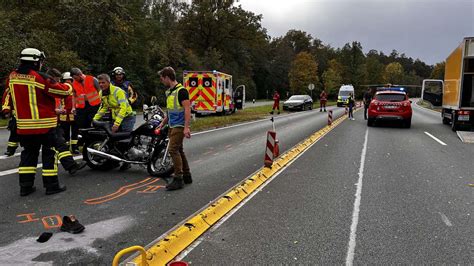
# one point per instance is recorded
(139, 150)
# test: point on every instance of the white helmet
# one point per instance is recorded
(32, 54)
(67, 75)
(118, 70)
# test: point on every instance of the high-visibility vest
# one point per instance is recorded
(175, 110)
(117, 103)
(86, 92)
(33, 96)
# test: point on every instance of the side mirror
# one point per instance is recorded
(153, 100)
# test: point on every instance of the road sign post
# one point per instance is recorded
(311, 88)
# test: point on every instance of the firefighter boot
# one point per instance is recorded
(55, 189)
(76, 167)
(187, 178)
(25, 191)
(51, 183)
(176, 183)
(10, 151)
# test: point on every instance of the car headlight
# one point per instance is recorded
(339, 97)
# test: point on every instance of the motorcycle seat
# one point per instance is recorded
(106, 126)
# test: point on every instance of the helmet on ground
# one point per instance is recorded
(118, 70)
(67, 75)
(32, 54)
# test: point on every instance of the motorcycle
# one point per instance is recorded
(146, 146)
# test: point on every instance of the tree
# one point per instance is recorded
(393, 73)
(438, 71)
(375, 70)
(332, 81)
(303, 71)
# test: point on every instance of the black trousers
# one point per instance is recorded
(13, 139)
(84, 117)
(29, 159)
(64, 154)
(366, 108)
(70, 132)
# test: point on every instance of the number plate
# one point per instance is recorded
(390, 107)
(463, 118)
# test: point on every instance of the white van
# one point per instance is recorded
(344, 92)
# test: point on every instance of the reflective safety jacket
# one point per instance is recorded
(66, 104)
(7, 104)
(33, 96)
(86, 92)
(115, 99)
(175, 110)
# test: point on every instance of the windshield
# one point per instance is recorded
(296, 97)
(390, 97)
(344, 93)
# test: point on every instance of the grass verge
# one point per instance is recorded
(428, 105)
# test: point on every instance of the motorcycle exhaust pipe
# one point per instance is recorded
(110, 156)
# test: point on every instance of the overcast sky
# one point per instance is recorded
(425, 29)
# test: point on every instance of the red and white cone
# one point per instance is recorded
(330, 117)
(270, 149)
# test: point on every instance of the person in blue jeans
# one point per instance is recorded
(351, 106)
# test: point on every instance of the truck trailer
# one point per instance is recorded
(456, 92)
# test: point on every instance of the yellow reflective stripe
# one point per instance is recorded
(12, 93)
(36, 126)
(60, 92)
(33, 102)
(12, 144)
(39, 120)
(64, 154)
(27, 170)
(50, 172)
(74, 141)
(28, 83)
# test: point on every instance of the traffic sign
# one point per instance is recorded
(311, 86)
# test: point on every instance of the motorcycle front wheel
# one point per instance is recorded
(160, 167)
(97, 162)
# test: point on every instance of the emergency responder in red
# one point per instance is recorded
(178, 119)
(7, 111)
(87, 97)
(64, 154)
(120, 80)
(35, 93)
(323, 98)
(276, 102)
(67, 110)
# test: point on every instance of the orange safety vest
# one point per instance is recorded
(86, 92)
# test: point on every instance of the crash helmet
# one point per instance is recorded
(32, 54)
(67, 75)
(118, 71)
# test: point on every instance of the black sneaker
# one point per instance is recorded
(25, 191)
(54, 190)
(76, 167)
(176, 184)
(71, 225)
(187, 179)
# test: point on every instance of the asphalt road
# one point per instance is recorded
(121, 209)
(380, 195)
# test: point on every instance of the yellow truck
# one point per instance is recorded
(456, 92)
(210, 92)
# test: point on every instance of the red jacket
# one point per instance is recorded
(66, 105)
(7, 104)
(33, 96)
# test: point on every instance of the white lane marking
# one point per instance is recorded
(445, 219)
(3, 157)
(198, 241)
(435, 138)
(25, 250)
(355, 213)
(14, 171)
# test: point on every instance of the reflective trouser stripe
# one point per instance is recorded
(64, 154)
(50, 172)
(13, 144)
(27, 170)
(74, 141)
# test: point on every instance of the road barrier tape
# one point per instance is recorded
(172, 243)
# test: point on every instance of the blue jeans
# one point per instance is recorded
(127, 124)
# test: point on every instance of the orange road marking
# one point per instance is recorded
(49, 221)
(150, 189)
(121, 191)
(29, 218)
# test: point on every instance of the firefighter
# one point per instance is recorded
(120, 80)
(66, 117)
(87, 100)
(8, 112)
(178, 119)
(63, 107)
(323, 98)
(35, 93)
(276, 102)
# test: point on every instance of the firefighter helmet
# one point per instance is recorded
(32, 54)
(67, 75)
(118, 71)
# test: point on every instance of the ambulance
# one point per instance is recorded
(210, 92)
